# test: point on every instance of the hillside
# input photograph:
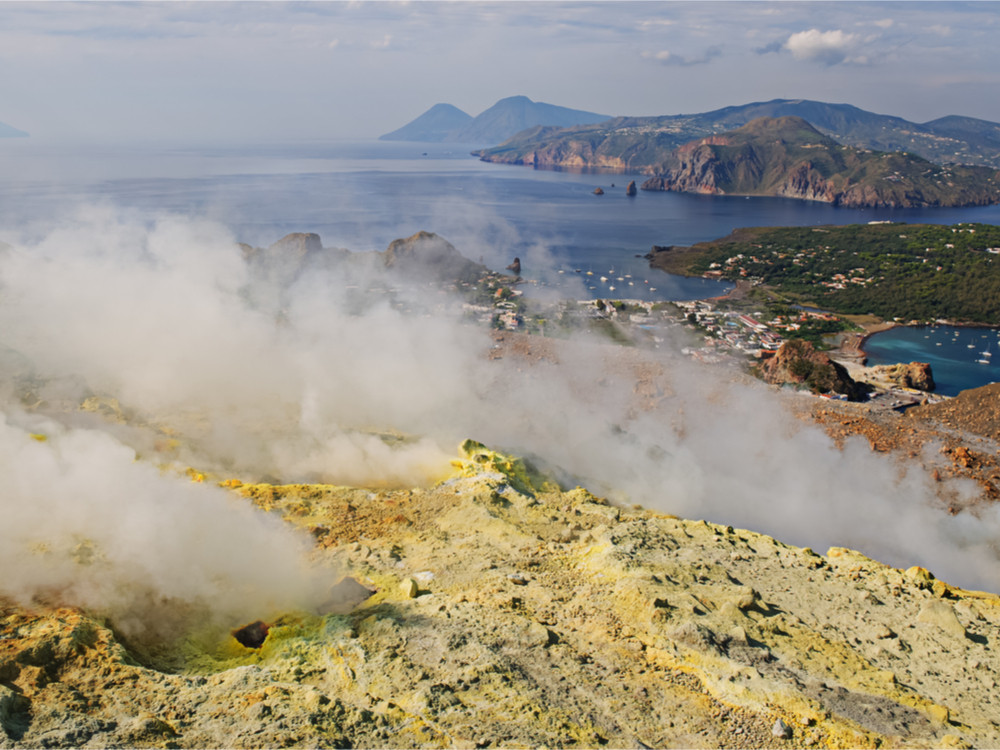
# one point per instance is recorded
(906, 271)
(789, 158)
(495, 609)
(498, 123)
(638, 144)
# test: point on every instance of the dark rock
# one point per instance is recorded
(252, 635)
(631, 189)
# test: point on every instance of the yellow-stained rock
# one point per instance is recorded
(632, 628)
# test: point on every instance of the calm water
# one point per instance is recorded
(363, 195)
(960, 357)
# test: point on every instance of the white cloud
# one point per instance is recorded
(826, 47)
(884, 23)
(666, 57)
(655, 23)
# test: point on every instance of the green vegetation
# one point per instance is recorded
(907, 271)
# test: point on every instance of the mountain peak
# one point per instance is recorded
(501, 121)
(789, 128)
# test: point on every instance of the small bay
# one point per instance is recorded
(960, 357)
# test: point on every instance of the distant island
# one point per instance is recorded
(788, 157)
(7, 131)
(506, 118)
(641, 144)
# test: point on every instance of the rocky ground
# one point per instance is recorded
(509, 613)
(964, 433)
(494, 609)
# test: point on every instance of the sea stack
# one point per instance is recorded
(630, 190)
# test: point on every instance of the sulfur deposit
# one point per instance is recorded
(495, 609)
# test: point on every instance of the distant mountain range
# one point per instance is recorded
(642, 144)
(6, 131)
(506, 118)
(788, 157)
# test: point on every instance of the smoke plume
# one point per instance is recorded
(319, 374)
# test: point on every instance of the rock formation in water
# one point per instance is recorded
(630, 189)
(913, 375)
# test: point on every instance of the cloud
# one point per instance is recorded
(665, 57)
(825, 47)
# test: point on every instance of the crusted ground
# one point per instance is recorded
(509, 613)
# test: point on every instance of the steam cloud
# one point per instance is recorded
(294, 379)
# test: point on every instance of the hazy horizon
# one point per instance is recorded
(256, 71)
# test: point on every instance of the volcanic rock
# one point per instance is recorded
(631, 189)
(798, 362)
(627, 633)
(913, 375)
(426, 255)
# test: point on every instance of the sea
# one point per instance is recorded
(361, 195)
(960, 357)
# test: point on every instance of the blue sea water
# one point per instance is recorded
(362, 195)
(960, 357)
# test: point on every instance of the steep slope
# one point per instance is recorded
(787, 157)
(433, 126)
(516, 113)
(639, 143)
(507, 612)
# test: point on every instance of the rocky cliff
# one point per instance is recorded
(508, 612)
(907, 375)
(787, 157)
(643, 142)
(798, 362)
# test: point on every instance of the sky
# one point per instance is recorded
(318, 70)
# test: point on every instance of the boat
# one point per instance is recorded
(985, 359)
